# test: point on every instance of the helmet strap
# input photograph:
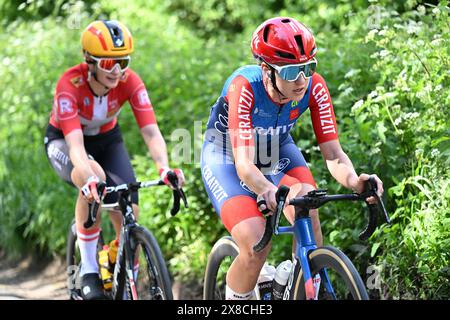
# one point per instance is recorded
(273, 80)
(94, 75)
(96, 79)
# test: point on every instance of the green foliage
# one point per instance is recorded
(408, 110)
(19, 10)
(386, 65)
(403, 123)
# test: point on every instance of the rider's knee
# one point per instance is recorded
(253, 258)
(77, 178)
(98, 170)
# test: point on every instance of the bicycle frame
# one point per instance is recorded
(303, 231)
(124, 205)
(124, 250)
(305, 243)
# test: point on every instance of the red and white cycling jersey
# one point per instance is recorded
(75, 106)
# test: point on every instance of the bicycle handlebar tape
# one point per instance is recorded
(373, 218)
(371, 188)
(173, 179)
(93, 207)
(268, 231)
(272, 220)
(176, 203)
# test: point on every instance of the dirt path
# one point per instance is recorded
(45, 279)
(32, 278)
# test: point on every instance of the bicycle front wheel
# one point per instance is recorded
(339, 277)
(152, 278)
(219, 261)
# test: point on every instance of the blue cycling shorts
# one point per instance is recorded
(231, 198)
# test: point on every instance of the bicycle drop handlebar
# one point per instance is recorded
(103, 190)
(316, 199)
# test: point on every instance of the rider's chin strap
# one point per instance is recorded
(274, 83)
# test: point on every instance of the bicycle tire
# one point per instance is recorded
(155, 268)
(223, 248)
(336, 262)
(73, 262)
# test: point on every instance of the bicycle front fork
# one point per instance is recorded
(305, 243)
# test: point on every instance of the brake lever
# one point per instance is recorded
(178, 193)
(373, 192)
(93, 207)
(281, 197)
(371, 187)
(381, 205)
(272, 221)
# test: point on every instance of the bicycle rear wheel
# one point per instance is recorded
(73, 262)
(219, 261)
(152, 280)
(330, 262)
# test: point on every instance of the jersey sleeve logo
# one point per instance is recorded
(323, 101)
(143, 97)
(65, 106)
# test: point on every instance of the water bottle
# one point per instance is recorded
(281, 278)
(265, 280)
(106, 275)
(113, 246)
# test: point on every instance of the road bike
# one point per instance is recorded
(339, 277)
(136, 243)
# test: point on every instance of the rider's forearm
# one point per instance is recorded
(156, 146)
(341, 168)
(253, 178)
(78, 155)
(248, 172)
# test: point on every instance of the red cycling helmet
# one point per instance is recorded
(283, 40)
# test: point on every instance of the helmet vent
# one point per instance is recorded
(286, 55)
(116, 33)
(286, 20)
(266, 34)
(299, 41)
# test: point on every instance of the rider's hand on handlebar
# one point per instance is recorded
(267, 200)
(163, 175)
(360, 186)
(89, 190)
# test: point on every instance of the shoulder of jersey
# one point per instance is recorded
(316, 77)
(75, 76)
(128, 76)
(251, 72)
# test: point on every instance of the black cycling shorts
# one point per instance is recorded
(107, 149)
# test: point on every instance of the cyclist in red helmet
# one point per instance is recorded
(248, 151)
(83, 139)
